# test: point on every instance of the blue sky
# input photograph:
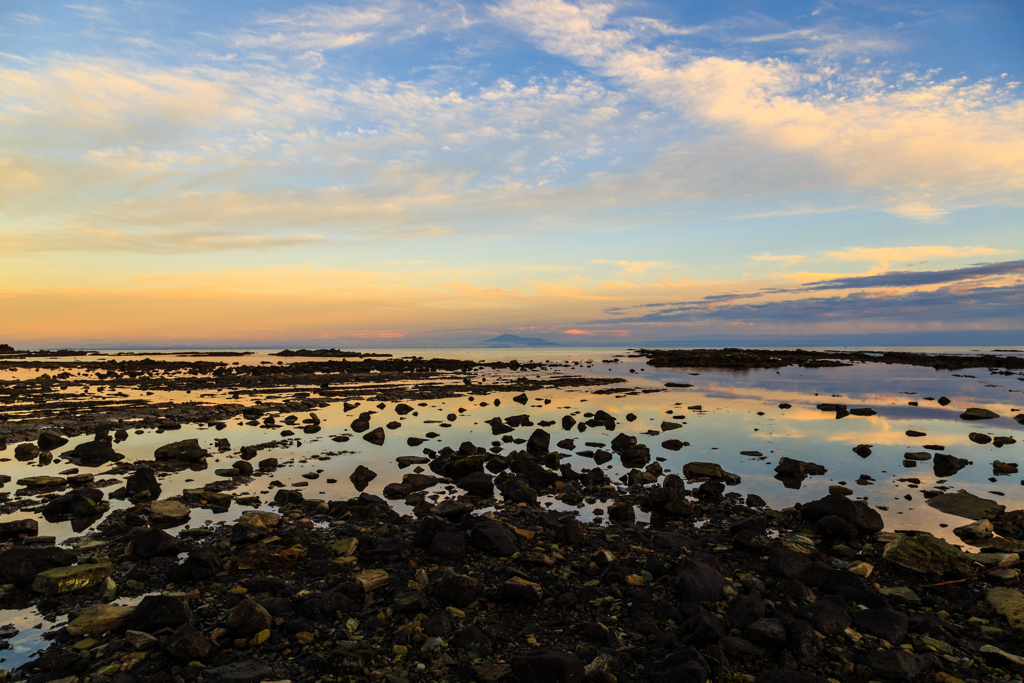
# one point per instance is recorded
(438, 172)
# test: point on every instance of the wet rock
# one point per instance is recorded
(899, 665)
(188, 644)
(93, 453)
(964, 504)
(155, 612)
(637, 455)
(456, 589)
(547, 666)
(999, 467)
(946, 465)
(449, 546)
(882, 623)
(245, 671)
(201, 564)
(376, 437)
(519, 591)
(97, 619)
(361, 477)
(478, 484)
(18, 528)
(697, 582)
(1010, 525)
(826, 616)
(493, 537)
(672, 444)
(976, 532)
(248, 618)
(833, 527)
(856, 513)
(766, 632)
(188, 450)
(167, 513)
(927, 554)
(863, 450)
(19, 566)
(791, 467)
(50, 439)
(150, 543)
(979, 438)
(978, 414)
(143, 479)
(709, 470)
(1008, 602)
(61, 580)
(539, 442)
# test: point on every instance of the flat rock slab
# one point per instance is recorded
(927, 554)
(97, 619)
(69, 579)
(249, 671)
(164, 512)
(42, 482)
(964, 504)
(1009, 602)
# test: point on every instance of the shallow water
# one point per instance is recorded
(727, 423)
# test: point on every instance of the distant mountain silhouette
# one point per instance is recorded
(513, 340)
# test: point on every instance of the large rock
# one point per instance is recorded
(245, 671)
(709, 470)
(548, 666)
(926, 554)
(20, 565)
(97, 619)
(493, 537)
(143, 479)
(188, 450)
(155, 612)
(18, 528)
(855, 512)
(898, 665)
(978, 414)
(456, 589)
(697, 582)
(793, 468)
(539, 442)
(964, 504)
(50, 439)
(63, 580)
(93, 453)
(946, 465)
(201, 564)
(168, 513)
(248, 618)
(188, 644)
(150, 543)
(478, 484)
(1009, 602)
(882, 623)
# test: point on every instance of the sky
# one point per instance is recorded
(431, 173)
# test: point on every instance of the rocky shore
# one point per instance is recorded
(777, 358)
(499, 581)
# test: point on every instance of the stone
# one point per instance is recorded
(539, 442)
(186, 643)
(245, 671)
(975, 532)
(697, 582)
(709, 470)
(248, 618)
(1003, 658)
(791, 467)
(456, 589)
(519, 591)
(97, 619)
(1000, 467)
(42, 481)
(143, 479)
(882, 623)
(188, 450)
(201, 564)
(93, 453)
(863, 450)
(547, 666)
(50, 439)
(1009, 603)
(376, 436)
(493, 537)
(964, 504)
(371, 579)
(18, 528)
(899, 665)
(766, 632)
(854, 512)
(979, 438)
(477, 484)
(140, 640)
(946, 465)
(63, 580)
(978, 414)
(926, 554)
(150, 543)
(168, 513)
(448, 546)
(19, 566)
(361, 477)
(155, 612)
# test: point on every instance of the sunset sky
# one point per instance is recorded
(431, 173)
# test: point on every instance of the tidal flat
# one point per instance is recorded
(512, 514)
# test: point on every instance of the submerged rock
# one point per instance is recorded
(964, 504)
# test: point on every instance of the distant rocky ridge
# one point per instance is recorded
(7, 348)
(513, 340)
